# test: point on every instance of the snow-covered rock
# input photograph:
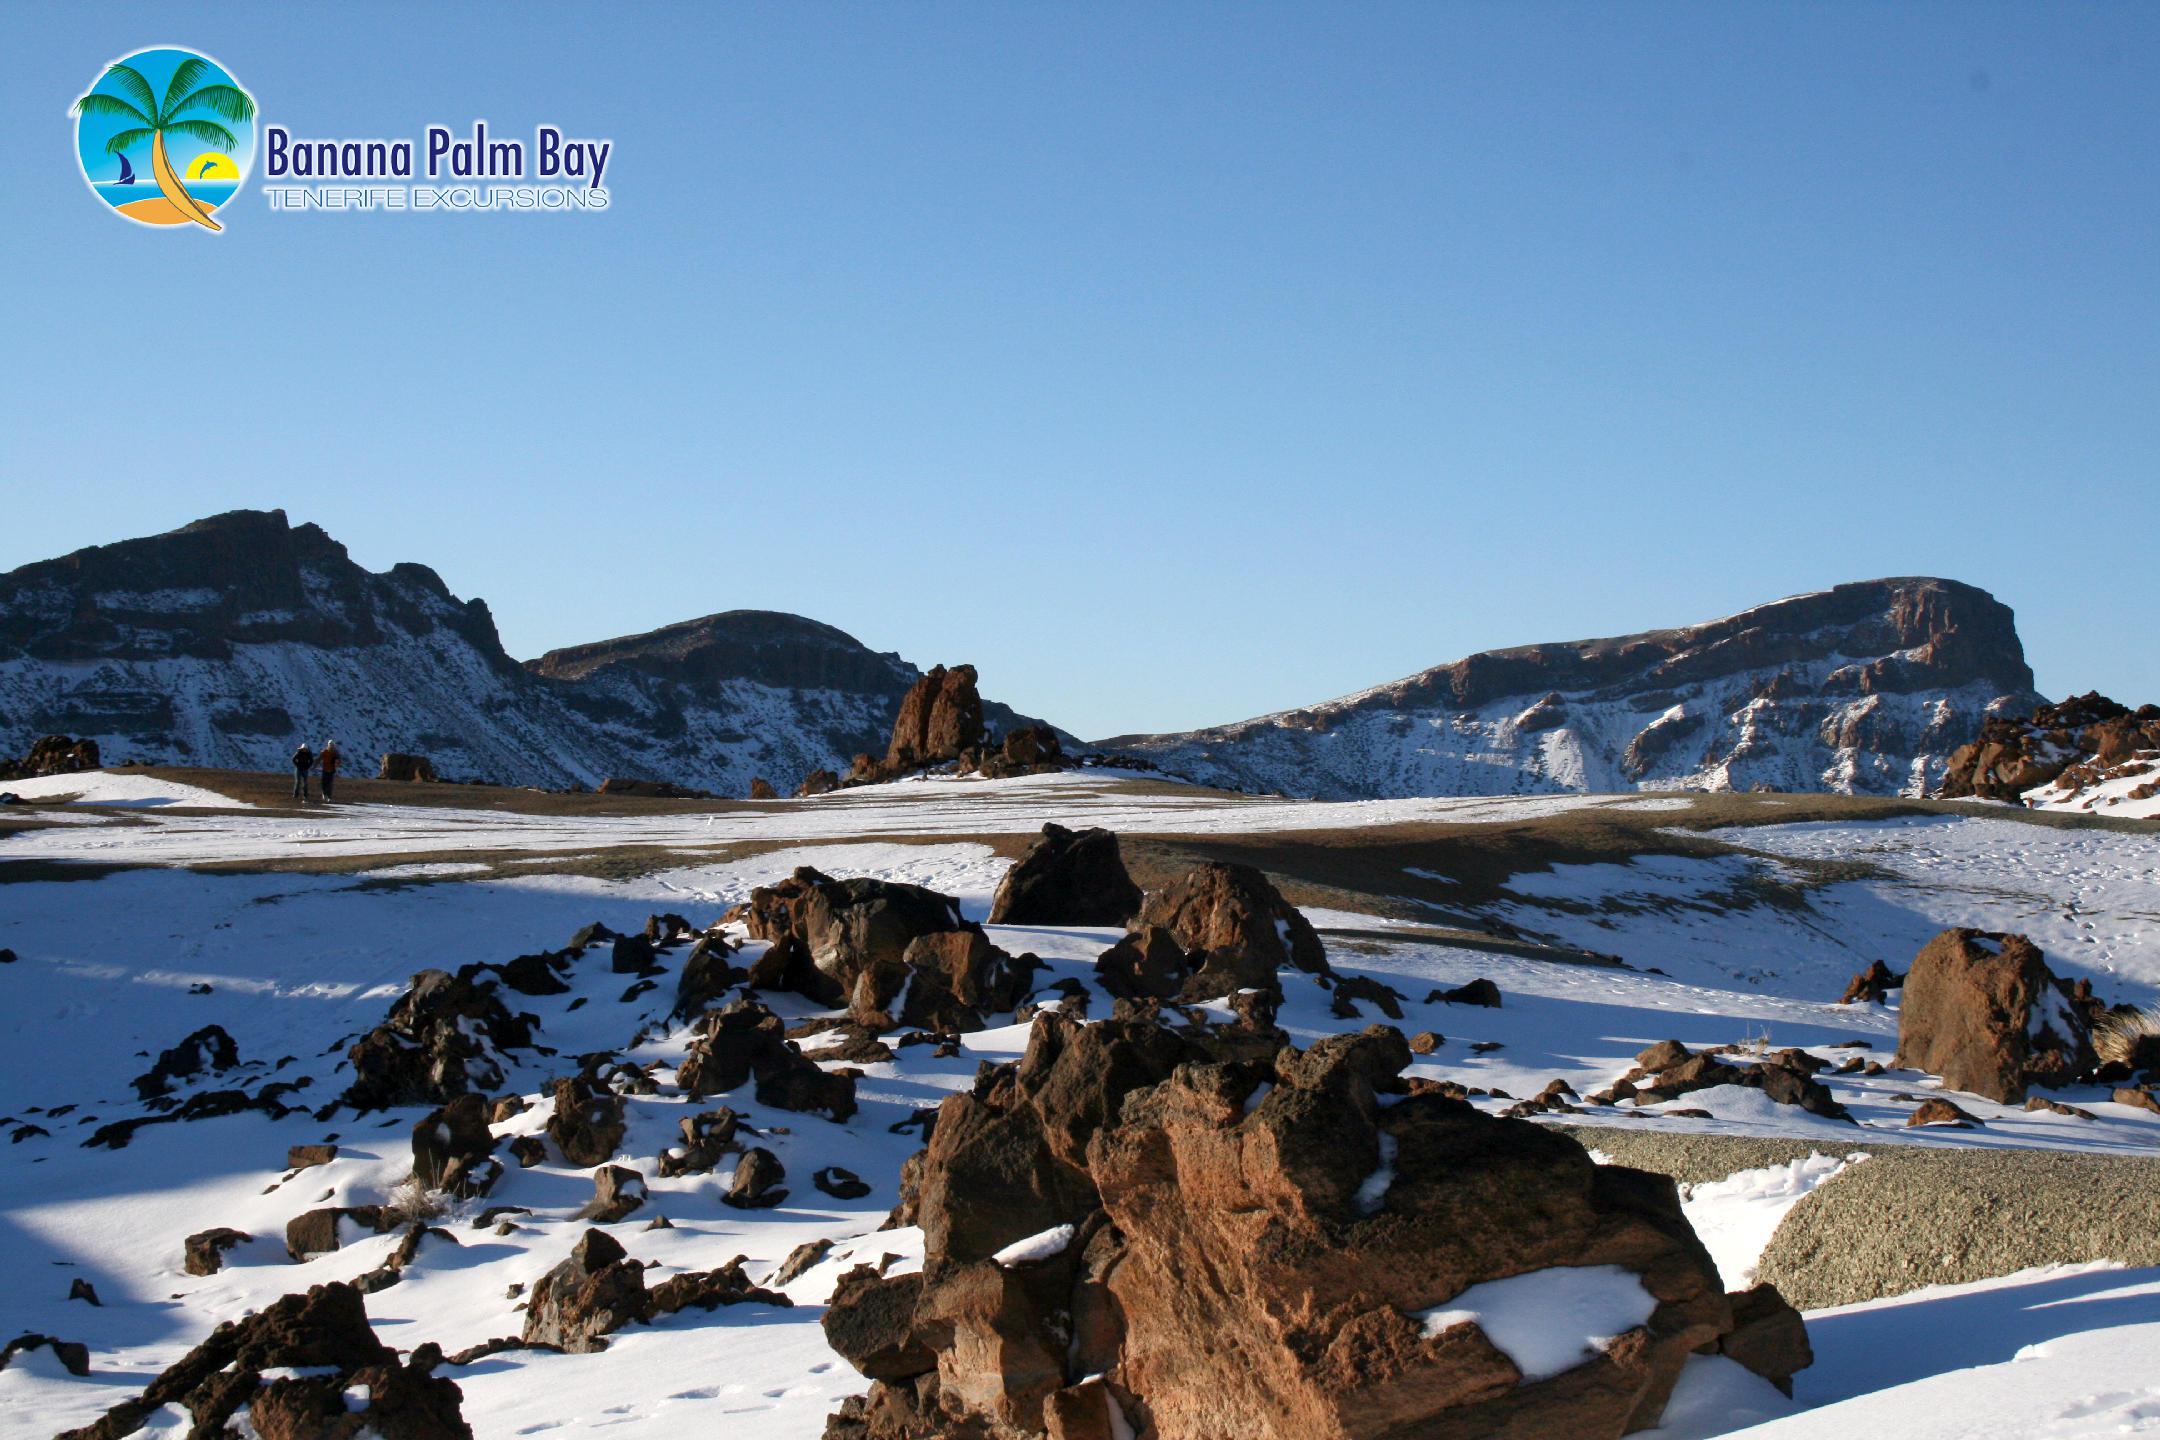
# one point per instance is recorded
(1864, 688)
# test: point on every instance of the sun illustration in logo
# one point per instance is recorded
(184, 118)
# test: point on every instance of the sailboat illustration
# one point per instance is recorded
(127, 172)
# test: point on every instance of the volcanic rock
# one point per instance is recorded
(453, 1149)
(209, 1048)
(587, 1125)
(1068, 877)
(325, 1335)
(442, 1039)
(1983, 1011)
(617, 1193)
(1148, 961)
(1871, 986)
(1236, 924)
(757, 1183)
(206, 1249)
(593, 1293)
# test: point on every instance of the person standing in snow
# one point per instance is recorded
(303, 760)
(329, 763)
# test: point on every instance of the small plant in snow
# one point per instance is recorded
(1755, 1042)
(2129, 1037)
(415, 1201)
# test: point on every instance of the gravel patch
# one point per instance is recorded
(1913, 1216)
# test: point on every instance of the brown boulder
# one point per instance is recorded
(412, 768)
(947, 982)
(453, 1150)
(593, 1293)
(940, 716)
(761, 789)
(587, 1125)
(1768, 1336)
(1222, 1259)
(1068, 877)
(205, 1250)
(1871, 986)
(618, 1192)
(1238, 928)
(757, 1181)
(1148, 961)
(1983, 1011)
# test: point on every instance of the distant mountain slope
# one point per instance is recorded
(227, 641)
(1864, 688)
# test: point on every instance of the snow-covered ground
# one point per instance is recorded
(116, 965)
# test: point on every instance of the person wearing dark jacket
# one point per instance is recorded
(303, 760)
(328, 762)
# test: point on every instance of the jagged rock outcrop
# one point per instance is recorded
(1235, 928)
(225, 641)
(1865, 688)
(1983, 1011)
(453, 1149)
(442, 1039)
(2062, 756)
(1122, 1238)
(52, 755)
(1068, 877)
(743, 1041)
(334, 1380)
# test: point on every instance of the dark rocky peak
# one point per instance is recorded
(246, 576)
(766, 646)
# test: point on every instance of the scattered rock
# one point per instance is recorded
(208, 1049)
(1236, 928)
(799, 1261)
(442, 1039)
(322, 1335)
(318, 1232)
(761, 789)
(205, 1250)
(81, 1289)
(757, 1183)
(2040, 1102)
(617, 1192)
(1478, 992)
(1425, 1042)
(1349, 988)
(2137, 1098)
(1872, 986)
(1768, 1336)
(307, 1157)
(592, 1294)
(453, 1149)
(73, 1355)
(1938, 1111)
(587, 1125)
(1068, 877)
(840, 1184)
(412, 769)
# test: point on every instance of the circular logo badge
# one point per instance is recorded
(166, 137)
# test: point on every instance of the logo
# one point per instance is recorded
(165, 137)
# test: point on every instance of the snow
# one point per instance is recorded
(1041, 1246)
(1736, 1216)
(1549, 1321)
(298, 963)
(118, 788)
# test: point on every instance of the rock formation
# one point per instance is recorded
(1983, 1011)
(2058, 753)
(1235, 928)
(333, 1380)
(1124, 1238)
(1068, 877)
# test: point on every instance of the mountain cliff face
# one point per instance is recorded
(1864, 688)
(228, 641)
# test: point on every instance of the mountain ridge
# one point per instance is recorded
(1889, 675)
(226, 641)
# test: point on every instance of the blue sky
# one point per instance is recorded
(1172, 364)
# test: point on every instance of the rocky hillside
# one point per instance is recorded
(226, 642)
(1864, 688)
(2086, 753)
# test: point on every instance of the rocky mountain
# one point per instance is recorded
(1864, 688)
(227, 641)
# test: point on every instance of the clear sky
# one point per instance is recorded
(1172, 363)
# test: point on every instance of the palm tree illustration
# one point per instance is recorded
(137, 102)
